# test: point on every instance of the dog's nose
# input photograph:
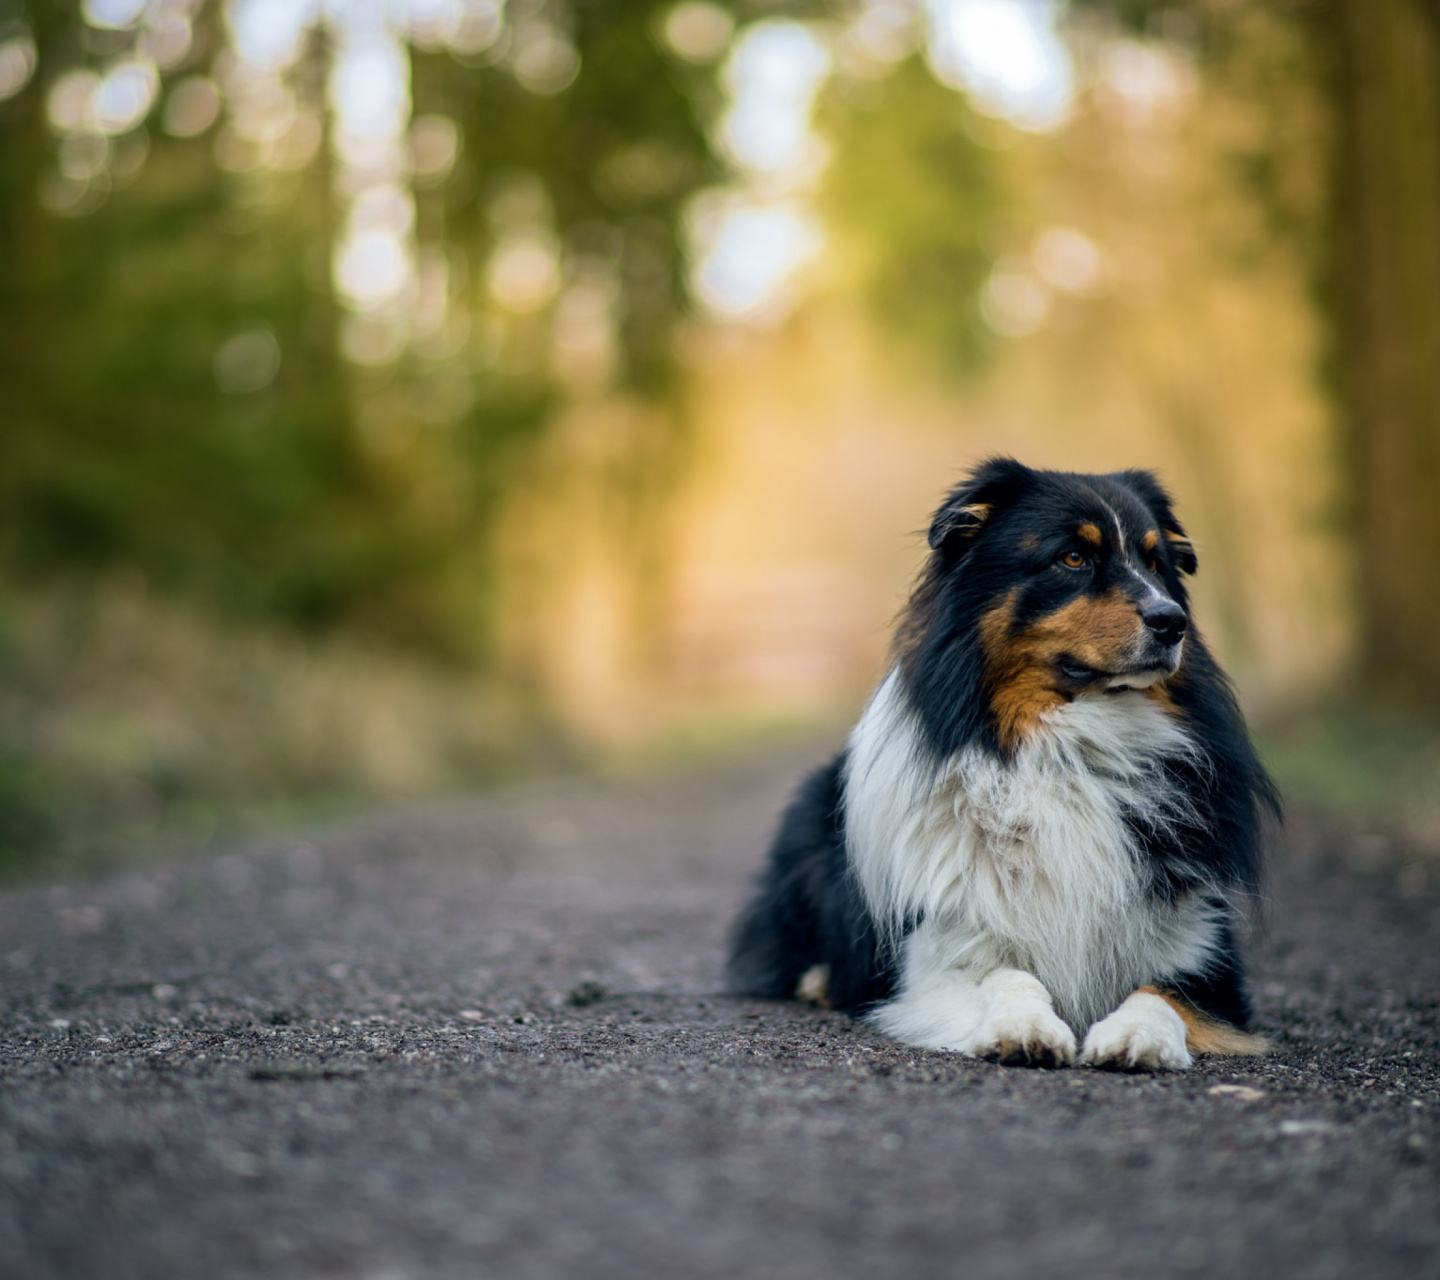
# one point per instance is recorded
(1165, 621)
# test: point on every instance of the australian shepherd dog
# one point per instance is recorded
(1031, 848)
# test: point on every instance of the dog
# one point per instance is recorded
(1044, 818)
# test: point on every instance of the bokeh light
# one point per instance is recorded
(479, 27)
(773, 74)
(71, 101)
(879, 34)
(750, 239)
(247, 362)
(524, 270)
(749, 256)
(434, 146)
(543, 58)
(17, 65)
(167, 39)
(698, 31)
(83, 156)
(267, 34)
(124, 96)
(1007, 54)
(1142, 82)
(116, 15)
(1013, 302)
(1069, 260)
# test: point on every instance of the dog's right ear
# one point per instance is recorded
(973, 503)
(1162, 506)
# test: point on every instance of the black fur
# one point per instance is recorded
(806, 910)
(1220, 991)
(998, 534)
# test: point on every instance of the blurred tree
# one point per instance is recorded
(1387, 187)
(921, 208)
(176, 400)
(1374, 243)
(326, 494)
(607, 164)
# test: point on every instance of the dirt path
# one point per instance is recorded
(483, 1040)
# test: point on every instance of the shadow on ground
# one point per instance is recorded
(484, 1040)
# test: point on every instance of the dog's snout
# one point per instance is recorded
(1165, 621)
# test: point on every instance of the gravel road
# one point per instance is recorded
(484, 1039)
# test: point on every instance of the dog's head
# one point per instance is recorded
(1043, 585)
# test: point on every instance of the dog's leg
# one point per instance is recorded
(1143, 1034)
(1007, 1016)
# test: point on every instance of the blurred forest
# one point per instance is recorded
(400, 394)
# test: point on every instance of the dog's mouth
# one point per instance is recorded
(1080, 675)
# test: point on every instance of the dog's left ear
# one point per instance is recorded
(973, 503)
(1147, 487)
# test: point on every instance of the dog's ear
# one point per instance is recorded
(1182, 550)
(1147, 487)
(974, 503)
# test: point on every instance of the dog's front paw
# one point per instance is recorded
(1025, 1034)
(1143, 1034)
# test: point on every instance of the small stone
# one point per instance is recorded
(1295, 1128)
(1240, 1092)
(587, 993)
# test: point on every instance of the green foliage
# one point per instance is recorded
(618, 154)
(129, 723)
(1379, 769)
(919, 204)
(328, 497)
(27, 825)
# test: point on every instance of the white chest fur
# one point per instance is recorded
(1026, 864)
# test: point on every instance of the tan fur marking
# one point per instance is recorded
(1021, 701)
(1176, 540)
(1020, 689)
(1021, 676)
(1164, 691)
(1161, 696)
(1152, 540)
(977, 511)
(1206, 1035)
(1091, 533)
(1102, 631)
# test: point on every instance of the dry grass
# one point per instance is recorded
(129, 722)
(1375, 770)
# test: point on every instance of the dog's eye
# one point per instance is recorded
(1154, 566)
(1073, 560)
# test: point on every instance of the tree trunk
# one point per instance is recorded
(1388, 180)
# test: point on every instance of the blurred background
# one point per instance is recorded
(397, 396)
